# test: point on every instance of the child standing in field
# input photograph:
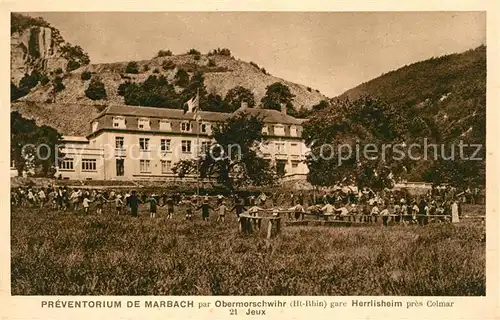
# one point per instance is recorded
(385, 216)
(41, 197)
(31, 198)
(239, 207)
(99, 200)
(262, 200)
(415, 211)
(170, 206)
(86, 204)
(205, 209)
(220, 199)
(327, 210)
(152, 205)
(397, 213)
(222, 209)
(189, 208)
(375, 212)
(118, 204)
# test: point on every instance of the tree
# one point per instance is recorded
(195, 87)
(29, 81)
(334, 134)
(75, 55)
(72, 65)
(26, 139)
(276, 94)
(233, 160)
(164, 53)
(237, 95)
(215, 103)
(182, 78)
(323, 104)
(194, 52)
(86, 75)
(219, 51)
(132, 67)
(154, 92)
(58, 85)
(167, 65)
(96, 90)
(122, 88)
(184, 168)
(15, 92)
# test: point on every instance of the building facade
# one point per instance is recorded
(136, 143)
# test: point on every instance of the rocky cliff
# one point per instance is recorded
(36, 48)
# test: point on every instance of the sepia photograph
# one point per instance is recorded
(248, 154)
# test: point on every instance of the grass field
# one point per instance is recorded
(64, 254)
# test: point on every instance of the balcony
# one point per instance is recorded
(120, 152)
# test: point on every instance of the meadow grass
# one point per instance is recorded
(63, 254)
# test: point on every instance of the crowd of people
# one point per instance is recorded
(343, 204)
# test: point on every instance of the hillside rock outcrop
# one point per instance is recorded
(35, 48)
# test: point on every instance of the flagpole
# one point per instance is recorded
(198, 147)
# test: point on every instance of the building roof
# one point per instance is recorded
(74, 139)
(165, 113)
(269, 116)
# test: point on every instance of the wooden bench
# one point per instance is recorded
(248, 222)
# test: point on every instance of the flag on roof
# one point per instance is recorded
(193, 104)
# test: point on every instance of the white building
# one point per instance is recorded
(135, 143)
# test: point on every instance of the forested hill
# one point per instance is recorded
(451, 89)
(441, 99)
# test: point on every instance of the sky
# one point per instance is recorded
(328, 51)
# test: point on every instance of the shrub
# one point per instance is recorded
(44, 80)
(86, 75)
(75, 53)
(309, 89)
(30, 81)
(122, 88)
(211, 63)
(58, 71)
(197, 57)
(253, 64)
(96, 90)
(167, 65)
(155, 70)
(132, 67)
(58, 84)
(182, 78)
(164, 53)
(221, 52)
(224, 52)
(193, 51)
(146, 67)
(72, 65)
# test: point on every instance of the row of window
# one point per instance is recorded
(165, 144)
(165, 125)
(279, 130)
(145, 166)
(87, 164)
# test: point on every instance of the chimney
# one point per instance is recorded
(283, 108)
(244, 104)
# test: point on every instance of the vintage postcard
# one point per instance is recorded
(238, 161)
